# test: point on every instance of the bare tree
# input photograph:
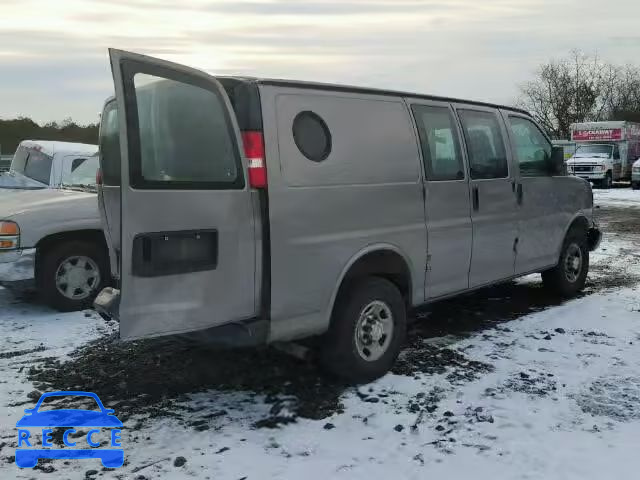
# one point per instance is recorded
(580, 88)
(625, 102)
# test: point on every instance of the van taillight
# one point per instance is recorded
(253, 144)
(99, 176)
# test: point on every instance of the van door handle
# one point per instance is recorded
(519, 194)
(476, 199)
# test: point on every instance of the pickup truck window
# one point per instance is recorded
(532, 149)
(33, 164)
(84, 174)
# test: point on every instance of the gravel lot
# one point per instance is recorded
(507, 382)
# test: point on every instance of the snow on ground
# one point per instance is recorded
(617, 196)
(507, 383)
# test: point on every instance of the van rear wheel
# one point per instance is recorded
(367, 330)
(570, 275)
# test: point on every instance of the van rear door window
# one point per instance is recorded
(186, 140)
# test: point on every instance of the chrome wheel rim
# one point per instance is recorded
(77, 277)
(573, 263)
(374, 331)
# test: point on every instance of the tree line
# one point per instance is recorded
(581, 88)
(12, 132)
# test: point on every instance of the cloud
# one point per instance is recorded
(55, 52)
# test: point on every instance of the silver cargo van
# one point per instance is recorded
(257, 211)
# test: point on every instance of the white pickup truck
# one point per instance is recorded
(50, 231)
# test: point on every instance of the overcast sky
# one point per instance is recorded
(53, 53)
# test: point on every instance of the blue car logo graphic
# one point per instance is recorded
(70, 419)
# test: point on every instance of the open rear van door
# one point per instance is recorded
(187, 236)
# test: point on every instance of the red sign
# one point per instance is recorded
(606, 134)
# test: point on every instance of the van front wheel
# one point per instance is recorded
(569, 276)
(367, 330)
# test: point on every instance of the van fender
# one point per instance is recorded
(579, 219)
(377, 247)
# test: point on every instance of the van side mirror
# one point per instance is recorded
(557, 165)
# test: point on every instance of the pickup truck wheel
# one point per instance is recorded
(72, 274)
(367, 330)
(569, 276)
(635, 186)
(607, 181)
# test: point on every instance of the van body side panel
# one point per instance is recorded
(324, 214)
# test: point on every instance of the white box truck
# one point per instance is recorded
(605, 151)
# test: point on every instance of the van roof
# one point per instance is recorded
(372, 91)
(354, 89)
(51, 147)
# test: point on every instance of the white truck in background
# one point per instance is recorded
(44, 164)
(605, 151)
(51, 237)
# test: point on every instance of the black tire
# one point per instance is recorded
(51, 260)
(607, 181)
(559, 279)
(339, 354)
(635, 186)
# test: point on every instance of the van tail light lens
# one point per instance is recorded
(99, 176)
(9, 235)
(253, 143)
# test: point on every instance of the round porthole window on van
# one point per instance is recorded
(312, 136)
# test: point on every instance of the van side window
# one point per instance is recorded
(186, 138)
(439, 143)
(532, 149)
(311, 135)
(485, 146)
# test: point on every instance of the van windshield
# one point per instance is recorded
(599, 151)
